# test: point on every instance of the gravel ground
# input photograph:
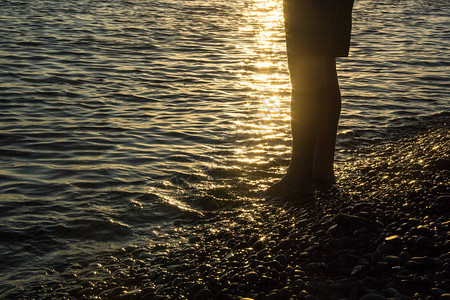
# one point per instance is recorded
(380, 233)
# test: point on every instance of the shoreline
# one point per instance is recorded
(381, 232)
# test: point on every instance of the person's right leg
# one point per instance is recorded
(315, 109)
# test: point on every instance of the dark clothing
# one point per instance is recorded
(318, 27)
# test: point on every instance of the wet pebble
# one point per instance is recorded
(391, 260)
(203, 294)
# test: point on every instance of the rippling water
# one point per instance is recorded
(120, 117)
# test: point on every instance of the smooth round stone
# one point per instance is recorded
(391, 259)
(274, 295)
(203, 294)
(303, 294)
(412, 265)
(424, 242)
(274, 264)
(436, 292)
(251, 277)
(298, 285)
(404, 257)
(425, 262)
(423, 230)
(282, 259)
(266, 280)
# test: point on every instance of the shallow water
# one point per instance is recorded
(120, 118)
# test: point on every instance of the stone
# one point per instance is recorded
(203, 294)
(274, 264)
(412, 265)
(425, 262)
(443, 203)
(392, 260)
(423, 242)
(422, 230)
(266, 280)
(393, 239)
(437, 292)
(404, 257)
(282, 259)
(298, 285)
(251, 277)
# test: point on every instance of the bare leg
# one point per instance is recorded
(323, 168)
(315, 109)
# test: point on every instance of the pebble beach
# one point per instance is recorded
(379, 233)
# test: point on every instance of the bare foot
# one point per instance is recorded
(290, 186)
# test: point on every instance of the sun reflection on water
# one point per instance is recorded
(264, 135)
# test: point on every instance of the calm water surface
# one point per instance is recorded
(120, 117)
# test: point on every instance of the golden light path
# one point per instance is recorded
(264, 75)
(262, 133)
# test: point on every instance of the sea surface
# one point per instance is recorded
(120, 118)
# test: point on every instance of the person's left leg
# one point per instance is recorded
(323, 166)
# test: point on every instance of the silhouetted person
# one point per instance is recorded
(317, 31)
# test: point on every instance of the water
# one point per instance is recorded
(120, 118)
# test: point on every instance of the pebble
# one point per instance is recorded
(393, 239)
(298, 285)
(266, 280)
(423, 230)
(391, 260)
(443, 203)
(282, 259)
(437, 292)
(251, 277)
(425, 243)
(203, 294)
